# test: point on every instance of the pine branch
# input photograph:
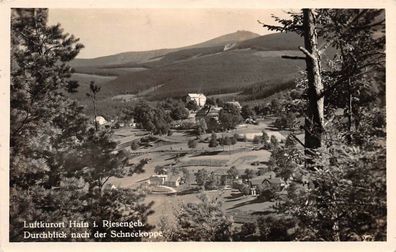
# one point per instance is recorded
(293, 57)
(325, 45)
(381, 22)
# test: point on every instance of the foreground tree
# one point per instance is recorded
(202, 221)
(93, 91)
(340, 193)
(59, 163)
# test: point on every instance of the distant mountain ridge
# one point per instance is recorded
(144, 56)
(229, 63)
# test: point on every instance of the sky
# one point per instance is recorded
(110, 31)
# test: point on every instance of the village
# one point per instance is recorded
(232, 164)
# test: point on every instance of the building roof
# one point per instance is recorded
(258, 180)
(159, 176)
(269, 174)
(173, 178)
(274, 180)
(221, 173)
(261, 179)
(193, 95)
(100, 119)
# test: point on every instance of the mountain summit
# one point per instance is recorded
(237, 36)
(142, 56)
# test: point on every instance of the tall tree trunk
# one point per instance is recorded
(350, 108)
(95, 115)
(315, 111)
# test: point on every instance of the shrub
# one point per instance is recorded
(257, 140)
(213, 141)
(135, 145)
(192, 143)
(243, 188)
(186, 125)
(247, 112)
(229, 116)
(265, 193)
(285, 121)
(192, 105)
(233, 140)
(272, 229)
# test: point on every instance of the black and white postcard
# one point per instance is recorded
(249, 125)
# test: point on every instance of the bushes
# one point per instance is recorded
(265, 193)
(213, 141)
(176, 108)
(272, 229)
(285, 121)
(229, 116)
(213, 125)
(206, 180)
(201, 221)
(179, 112)
(186, 125)
(192, 105)
(247, 232)
(153, 119)
(201, 127)
(233, 172)
(192, 143)
(243, 188)
(247, 112)
(256, 140)
(135, 145)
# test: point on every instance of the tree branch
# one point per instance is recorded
(322, 48)
(369, 25)
(104, 182)
(305, 51)
(298, 140)
(293, 57)
(338, 82)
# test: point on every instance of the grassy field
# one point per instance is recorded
(242, 208)
(239, 70)
(219, 159)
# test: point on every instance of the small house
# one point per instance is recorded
(100, 120)
(269, 175)
(200, 99)
(224, 179)
(275, 183)
(256, 181)
(267, 180)
(173, 181)
(157, 179)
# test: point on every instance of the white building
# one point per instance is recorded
(200, 99)
(157, 179)
(100, 120)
